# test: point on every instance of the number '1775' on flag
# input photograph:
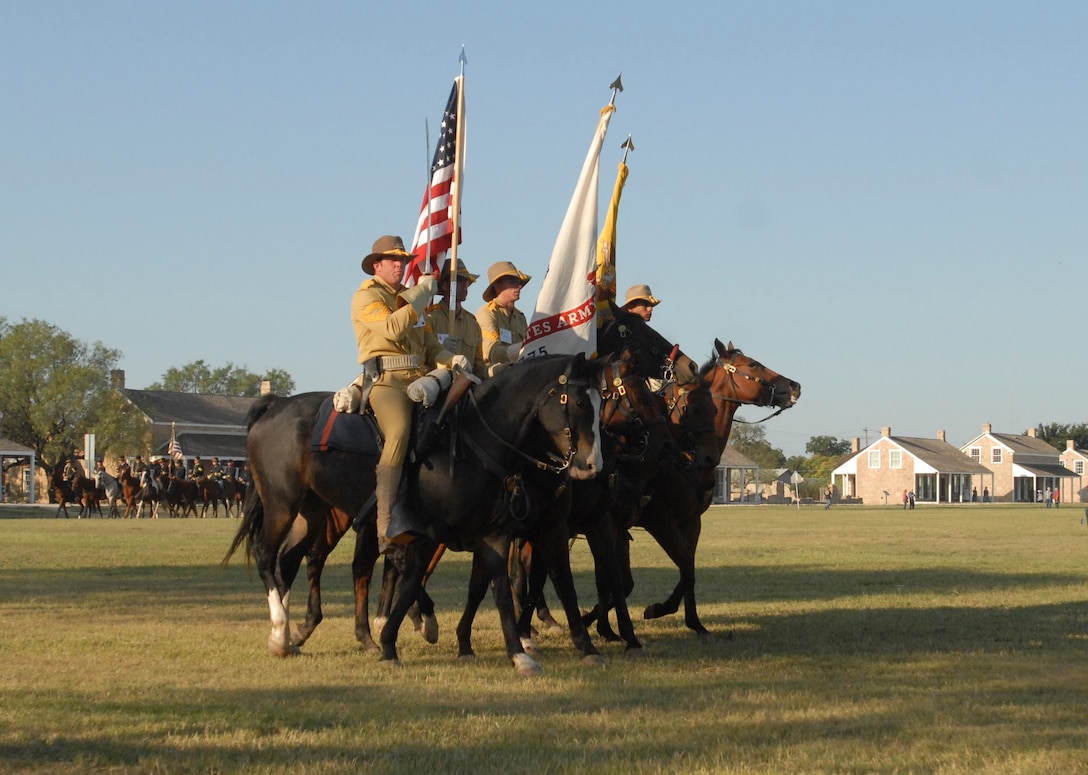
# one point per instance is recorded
(564, 319)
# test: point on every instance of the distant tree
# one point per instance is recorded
(1056, 434)
(55, 388)
(827, 446)
(751, 441)
(229, 380)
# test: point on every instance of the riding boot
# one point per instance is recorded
(395, 520)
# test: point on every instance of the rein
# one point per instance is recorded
(733, 371)
(559, 464)
(617, 401)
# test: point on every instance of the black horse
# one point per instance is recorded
(530, 424)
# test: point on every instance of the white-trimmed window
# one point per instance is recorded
(895, 458)
(1078, 467)
(976, 454)
(874, 458)
(995, 455)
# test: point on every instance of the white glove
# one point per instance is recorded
(420, 294)
(513, 352)
(347, 399)
(429, 387)
(461, 362)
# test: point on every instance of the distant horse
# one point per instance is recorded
(112, 488)
(674, 514)
(535, 420)
(181, 496)
(137, 494)
(234, 493)
(211, 494)
(78, 489)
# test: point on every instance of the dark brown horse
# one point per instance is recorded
(211, 494)
(674, 514)
(533, 421)
(77, 488)
(182, 496)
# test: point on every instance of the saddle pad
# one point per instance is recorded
(343, 431)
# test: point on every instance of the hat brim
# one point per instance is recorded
(489, 291)
(368, 262)
(650, 301)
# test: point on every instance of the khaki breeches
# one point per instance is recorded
(393, 409)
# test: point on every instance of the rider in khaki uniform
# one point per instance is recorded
(395, 343)
(641, 301)
(502, 324)
(463, 337)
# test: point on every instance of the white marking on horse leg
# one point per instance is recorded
(526, 665)
(279, 639)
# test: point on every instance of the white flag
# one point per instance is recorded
(563, 321)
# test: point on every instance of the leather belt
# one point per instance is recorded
(399, 362)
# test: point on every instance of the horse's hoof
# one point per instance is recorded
(526, 665)
(593, 660)
(653, 611)
(279, 649)
(390, 663)
(467, 657)
(530, 646)
(430, 629)
(639, 653)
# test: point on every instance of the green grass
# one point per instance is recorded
(859, 640)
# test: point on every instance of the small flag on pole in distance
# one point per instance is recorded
(175, 448)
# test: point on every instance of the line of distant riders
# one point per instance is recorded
(142, 486)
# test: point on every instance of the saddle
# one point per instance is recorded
(359, 432)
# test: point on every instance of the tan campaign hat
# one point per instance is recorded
(641, 293)
(387, 246)
(502, 269)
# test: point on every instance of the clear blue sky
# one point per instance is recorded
(885, 201)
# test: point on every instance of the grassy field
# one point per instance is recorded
(856, 640)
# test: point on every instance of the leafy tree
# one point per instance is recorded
(751, 441)
(229, 380)
(1056, 434)
(827, 446)
(55, 388)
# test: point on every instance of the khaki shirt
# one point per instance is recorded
(500, 328)
(463, 339)
(387, 325)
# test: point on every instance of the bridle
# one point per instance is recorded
(734, 372)
(556, 464)
(619, 414)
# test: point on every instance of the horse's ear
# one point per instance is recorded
(731, 347)
(720, 347)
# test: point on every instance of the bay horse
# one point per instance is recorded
(211, 494)
(136, 494)
(536, 419)
(673, 517)
(78, 489)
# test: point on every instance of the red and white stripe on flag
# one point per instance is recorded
(175, 449)
(434, 228)
(564, 319)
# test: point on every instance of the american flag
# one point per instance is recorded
(175, 449)
(435, 225)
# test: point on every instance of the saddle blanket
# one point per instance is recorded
(344, 431)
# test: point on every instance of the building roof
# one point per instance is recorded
(1025, 444)
(1038, 470)
(941, 455)
(732, 459)
(208, 445)
(164, 406)
(9, 447)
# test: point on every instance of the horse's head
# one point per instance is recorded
(629, 411)
(658, 357)
(570, 414)
(691, 414)
(738, 379)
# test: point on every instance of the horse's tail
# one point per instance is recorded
(259, 407)
(250, 528)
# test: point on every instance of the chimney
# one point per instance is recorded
(117, 379)
(1031, 432)
(987, 428)
(940, 436)
(855, 445)
(886, 432)
(266, 387)
(1070, 444)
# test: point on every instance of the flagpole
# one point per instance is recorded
(455, 199)
(430, 174)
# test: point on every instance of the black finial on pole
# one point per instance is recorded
(616, 86)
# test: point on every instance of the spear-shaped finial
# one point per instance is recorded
(462, 59)
(616, 86)
(627, 147)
